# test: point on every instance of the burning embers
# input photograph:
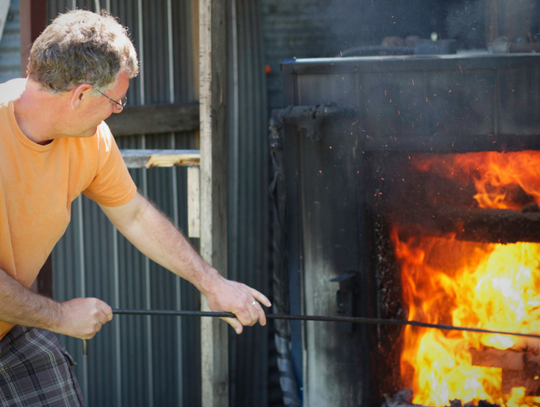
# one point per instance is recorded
(470, 279)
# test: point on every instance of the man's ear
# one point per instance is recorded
(79, 94)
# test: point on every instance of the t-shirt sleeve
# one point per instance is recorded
(112, 184)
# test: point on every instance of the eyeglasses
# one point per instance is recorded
(122, 102)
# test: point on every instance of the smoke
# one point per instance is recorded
(516, 19)
(466, 24)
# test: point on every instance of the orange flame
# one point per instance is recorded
(495, 175)
(484, 285)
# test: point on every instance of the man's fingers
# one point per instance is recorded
(260, 315)
(103, 318)
(108, 313)
(236, 324)
(256, 313)
(107, 310)
(261, 298)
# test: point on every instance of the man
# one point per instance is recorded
(54, 145)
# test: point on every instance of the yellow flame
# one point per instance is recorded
(490, 286)
(498, 290)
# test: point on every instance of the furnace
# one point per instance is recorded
(408, 188)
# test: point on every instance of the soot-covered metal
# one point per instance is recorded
(346, 190)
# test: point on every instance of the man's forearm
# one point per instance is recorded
(156, 237)
(80, 317)
(20, 306)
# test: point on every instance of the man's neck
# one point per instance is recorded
(35, 111)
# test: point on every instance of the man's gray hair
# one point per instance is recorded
(82, 47)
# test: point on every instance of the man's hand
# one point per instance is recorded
(83, 317)
(80, 318)
(243, 301)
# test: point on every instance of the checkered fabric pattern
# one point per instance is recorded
(35, 370)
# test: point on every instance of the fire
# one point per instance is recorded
(484, 285)
(495, 175)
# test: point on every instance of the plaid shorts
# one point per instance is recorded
(35, 370)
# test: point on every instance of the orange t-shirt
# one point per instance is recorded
(38, 184)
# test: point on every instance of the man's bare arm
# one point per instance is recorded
(80, 318)
(156, 237)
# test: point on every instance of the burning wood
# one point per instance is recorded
(519, 369)
(473, 224)
(404, 398)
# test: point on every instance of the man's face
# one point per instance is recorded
(95, 109)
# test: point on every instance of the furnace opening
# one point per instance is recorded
(457, 236)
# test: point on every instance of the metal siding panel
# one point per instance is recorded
(10, 45)
(127, 14)
(190, 296)
(249, 351)
(99, 264)
(156, 59)
(67, 284)
(134, 330)
(182, 51)
(163, 289)
(85, 5)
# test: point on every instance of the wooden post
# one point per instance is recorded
(213, 76)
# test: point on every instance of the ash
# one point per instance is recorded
(404, 398)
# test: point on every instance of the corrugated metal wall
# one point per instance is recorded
(10, 45)
(137, 361)
(134, 361)
(247, 194)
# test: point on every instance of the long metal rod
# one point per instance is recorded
(354, 320)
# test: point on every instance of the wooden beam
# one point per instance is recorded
(213, 77)
(471, 224)
(194, 202)
(152, 119)
(160, 158)
(33, 15)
